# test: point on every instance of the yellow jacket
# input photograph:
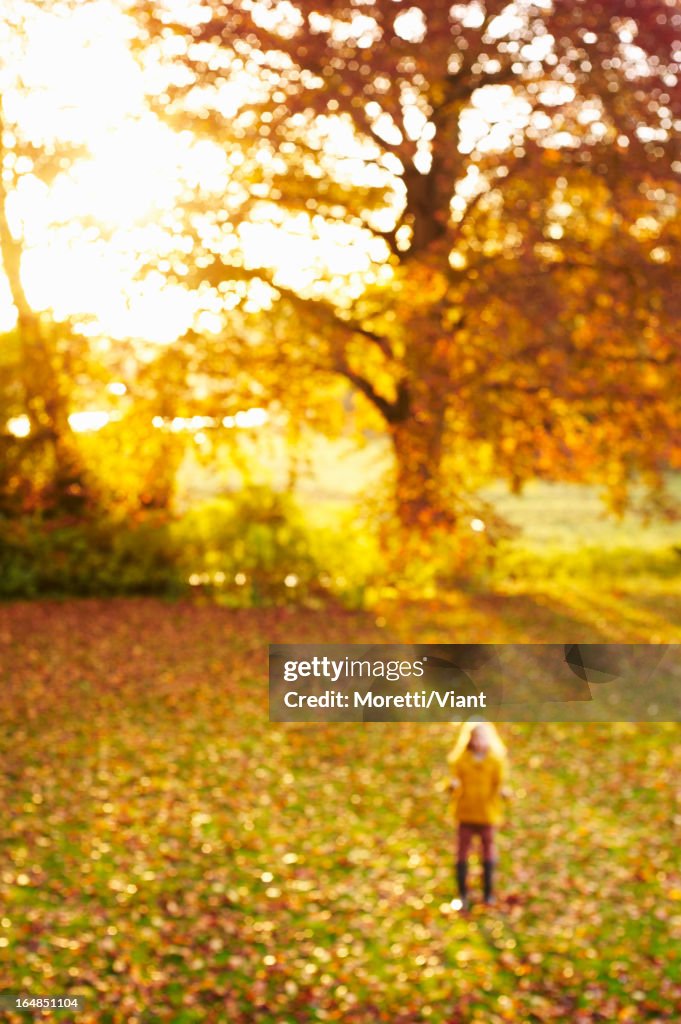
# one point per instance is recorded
(477, 788)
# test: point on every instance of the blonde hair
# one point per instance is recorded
(496, 744)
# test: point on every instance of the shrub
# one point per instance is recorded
(95, 557)
(253, 547)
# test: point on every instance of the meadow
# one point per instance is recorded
(169, 855)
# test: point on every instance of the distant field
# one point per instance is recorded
(570, 516)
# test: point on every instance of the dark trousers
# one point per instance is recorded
(466, 834)
(465, 840)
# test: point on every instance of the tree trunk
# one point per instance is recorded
(51, 451)
(51, 463)
(418, 448)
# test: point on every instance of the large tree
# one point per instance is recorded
(40, 357)
(513, 172)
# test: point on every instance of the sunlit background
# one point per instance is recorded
(80, 83)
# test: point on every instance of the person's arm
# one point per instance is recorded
(454, 761)
(504, 788)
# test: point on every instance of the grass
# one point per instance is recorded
(572, 516)
(171, 856)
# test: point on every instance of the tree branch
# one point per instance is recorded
(392, 412)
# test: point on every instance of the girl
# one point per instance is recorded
(478, 763)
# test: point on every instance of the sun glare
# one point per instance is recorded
(85, 236)
(71, 76)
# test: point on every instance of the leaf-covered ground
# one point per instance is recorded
(171, 856)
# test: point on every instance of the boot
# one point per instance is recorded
(488, 877)
(461, 879)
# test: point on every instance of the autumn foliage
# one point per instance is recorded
(514, 172)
